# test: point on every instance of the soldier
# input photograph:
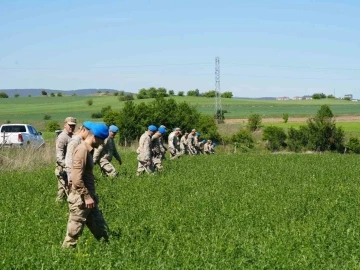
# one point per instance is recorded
(183, 144)
(75, 140)
(197, 142)
(156, 148)
(144, 152)
(201, 147)
(162, 145)
(212, 150)
(83, 202)
(207, 147)
(191, 142)
(104, 154)
(174, 143)
(61, 144)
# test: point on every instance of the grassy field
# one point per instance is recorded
(223, 211)
(33, 109)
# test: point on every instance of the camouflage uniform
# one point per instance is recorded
(191, 144)
(163, 149)
(144, 154)
(104, 154)
(60, 172)
(83, 187)
(183, 145)
(156, 150)
(73, 143)
(174, 145)
(207, 148)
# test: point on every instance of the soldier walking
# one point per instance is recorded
(144, 152)
(183, 144)
(156, 148)
(174, 143)
(75, 140)
(163, 149)
(207, 147)
(83, 202)
(61, 145)
(104, 153)
(191, 143)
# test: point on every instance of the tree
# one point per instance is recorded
(330, 96)
(285, 117)
(208, 129)
(191, 93)
(52, 126)
(3, 95)
(210, 94)
(16, 95)
(318, 96)
(227, 95)
(52, 94)
(59, 94)
(89, 102)
(243, 140)
(181, 93)
(44, 93)
(275, 137)
(254, 122)
(171, 93)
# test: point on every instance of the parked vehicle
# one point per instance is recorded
(20, 135)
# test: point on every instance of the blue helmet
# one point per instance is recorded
(214, 143)
(162, 130)
(152, 128)
(113, 128)
(100, 130)
(197, 134)
(87, 124)
(203, 141)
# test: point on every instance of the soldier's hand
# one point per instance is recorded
(89, 203)
(148, 163)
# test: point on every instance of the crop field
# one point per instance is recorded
(224, 211)
(33, 109)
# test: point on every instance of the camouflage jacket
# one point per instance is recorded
(144, 150)
(61, 147)
(106, 151)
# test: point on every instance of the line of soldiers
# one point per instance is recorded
(76, 154)
(151, 150)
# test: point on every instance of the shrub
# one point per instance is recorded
(227, 95)
(297, 139)
(181, 93)
(44, 93)
(16, 95)
(89, 102)
(52, 126)
(52, 94)
(353, 145)
(243, 140)
(171, 92)
(285, 117)
(254, 122)
(3, 95)
(8, 121)
(116, 94)
(97, 115)
(47, 117)
(275, 137)
(59, 94)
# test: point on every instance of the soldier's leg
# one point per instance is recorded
(140, 168)
(157, 164)
(109, 169)
(77, 219)
(97, 225)
(62, 185)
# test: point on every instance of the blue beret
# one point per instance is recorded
(113, 128)
(87, 124)
(204, 141)
(197, 134)
(152, 128)
(214, 144)
(100, 130)
(162, 130)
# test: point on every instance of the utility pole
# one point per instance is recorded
(219, 115)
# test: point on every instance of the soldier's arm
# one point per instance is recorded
(60, 149)
(77, 171)
(97, 152)
(147, 149)
(68, 158)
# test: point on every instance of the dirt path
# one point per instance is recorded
(343, 118)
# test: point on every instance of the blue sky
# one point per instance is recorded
(266, 48)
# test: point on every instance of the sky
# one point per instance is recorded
(266, 48)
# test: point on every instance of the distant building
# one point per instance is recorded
(283, 98)
(297, 98)
(307, 97)
(349, 96)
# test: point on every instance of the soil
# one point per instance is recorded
(343, 118)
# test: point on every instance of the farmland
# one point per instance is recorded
(224, 211)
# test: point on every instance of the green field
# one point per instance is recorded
(254, 211)
(33, 109)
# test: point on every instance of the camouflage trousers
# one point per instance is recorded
(143, 167)
(62, 183)
(192, 151)
(184, 150)
(157, 161)
(81, 216)
(108, 168)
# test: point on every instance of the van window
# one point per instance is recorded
(14, 128)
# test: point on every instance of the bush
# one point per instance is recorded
(116, 94)
(52, 126)
(97, 115)
(227, 95)
(59, 94)
(52, 94)
(285, 117)
(16, 95)
(353, 145)
(89, 102)
(47, 117)
(181, 93)
(297, 139)
(275, 137)
(243, 140)
(3, 95)
(254, 122)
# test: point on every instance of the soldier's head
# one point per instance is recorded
(177, 131)
(186, 134)
(152, 129)
(113, 130)
(193, 132)
(99, 132)
(70, 124)
(209, 142)
(84, 130)
(161, 131)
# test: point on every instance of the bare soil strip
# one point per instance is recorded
(343, 118)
